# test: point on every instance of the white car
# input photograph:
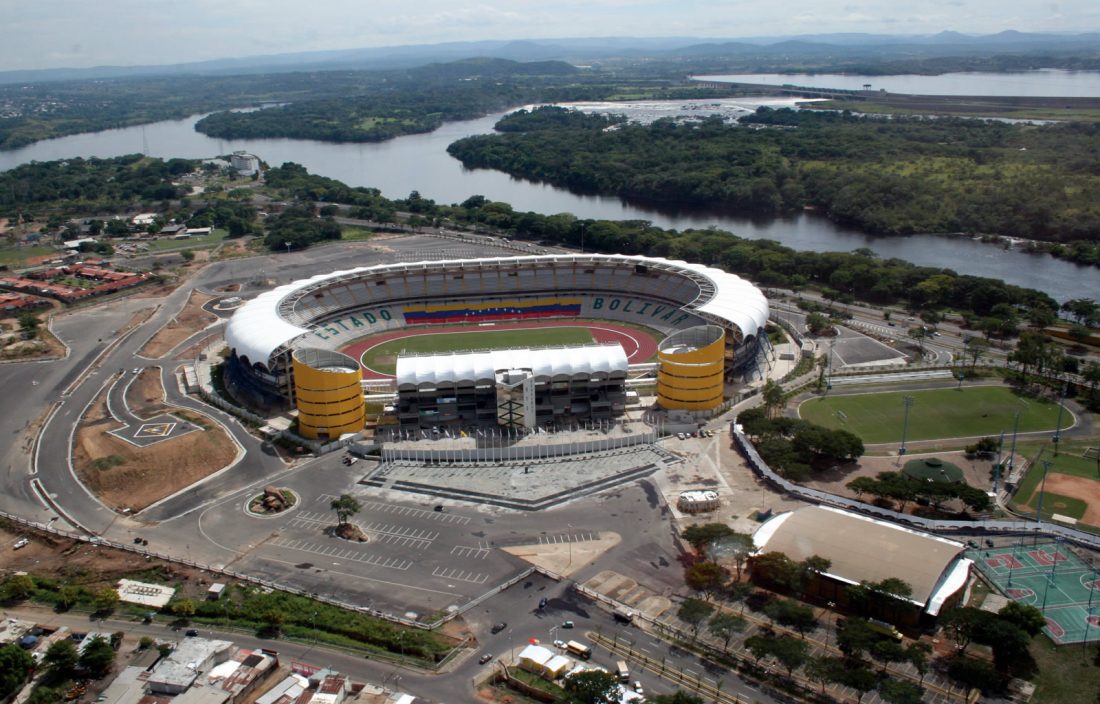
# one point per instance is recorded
(559, 644)
(21, 543)
(638, 688)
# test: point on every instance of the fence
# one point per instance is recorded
(522, 452)
(980, 527)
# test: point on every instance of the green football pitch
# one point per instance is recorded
(935, 414)
(382, 358)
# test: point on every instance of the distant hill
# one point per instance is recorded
(820, 47)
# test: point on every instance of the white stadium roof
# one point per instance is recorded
(259, 330)
(482, 366)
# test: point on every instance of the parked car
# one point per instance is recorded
(566, 624)
(559, 644)
(191, 633)
(21, 543)
(484, 658)
(499, 627)
(542, 602)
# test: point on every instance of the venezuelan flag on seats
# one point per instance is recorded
(518, 309)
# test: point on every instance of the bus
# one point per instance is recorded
(581, 650)
(623, 671)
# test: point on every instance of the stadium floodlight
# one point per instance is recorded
(907, 402)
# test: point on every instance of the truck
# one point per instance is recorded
(884, 629)
(581, 650)
(623, 671)
(623, 615)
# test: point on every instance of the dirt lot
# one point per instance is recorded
(190, 320)
(73, 560)
(975, 472)
(145, 396)
(1082, 488)
(44, 346)
(125, 476)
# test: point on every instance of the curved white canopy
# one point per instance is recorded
(260, 329)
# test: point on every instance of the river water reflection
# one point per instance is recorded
(421, 163)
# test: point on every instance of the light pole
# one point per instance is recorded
(907, 402)
(287, 247)
(1088, 613)
(1039, 510)
(1058, 426)
(1012, 452)
(570, 545)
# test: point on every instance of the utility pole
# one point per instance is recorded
(1061, 409)
(1047, 464)
(906, 401)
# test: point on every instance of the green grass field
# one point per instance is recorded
(936, 414)
(1056, 503)
(383, 358)
(214, 237)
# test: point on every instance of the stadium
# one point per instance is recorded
(288, 346)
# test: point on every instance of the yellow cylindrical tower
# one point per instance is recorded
(328, 393)
(691, 365)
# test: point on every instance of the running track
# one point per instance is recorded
(639, 346)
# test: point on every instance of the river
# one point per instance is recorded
(421, 163)
(1045, 83)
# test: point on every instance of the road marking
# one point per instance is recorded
(479, 553)
(460, 575)
(393, 563)
(568, 538)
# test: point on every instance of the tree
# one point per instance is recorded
(678, 697)
(774, 567)
(592, 687)
(759, 646)
(1083, 310)
(860, 678)
(900, 692)
(345, 507)
(700, 536)
(737, 547)
(15, 665)
(97, 657)
(963, 623)
(888, 650)
(17, 587)
(706, 578)
(725, 626)
(737, 592)
(773, 397)
(60, 659)
(817, 324)
(855, 637)
(824, 669)
(976, 348)
(793, 615)
(28, 325)
(273, 618)
(67, 597)
(693, 612)
(188, 255)
(920, 334)
(918, 655)
(105, 600)
(1025, 616)
(790, 652)
(184, 608)
(974, 673)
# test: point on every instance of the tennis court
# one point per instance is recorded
(1050, 577)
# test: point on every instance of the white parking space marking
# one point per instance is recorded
(479, 553)
(398, 510)
(460, 575)
(387, 533)
(568, 538)
(343, 553)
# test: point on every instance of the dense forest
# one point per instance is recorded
(101, 184)
(887, 176)
(990, 305)
(425, 98)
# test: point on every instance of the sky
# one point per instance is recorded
(83, 33)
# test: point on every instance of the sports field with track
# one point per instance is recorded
(936, 414)
(378, 354)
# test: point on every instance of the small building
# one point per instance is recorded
(698, 501)
(183, 666)
(244, 163)
(173, 229)
(215, 591)
(143, 219)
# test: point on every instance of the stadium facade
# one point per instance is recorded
(714, 322)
